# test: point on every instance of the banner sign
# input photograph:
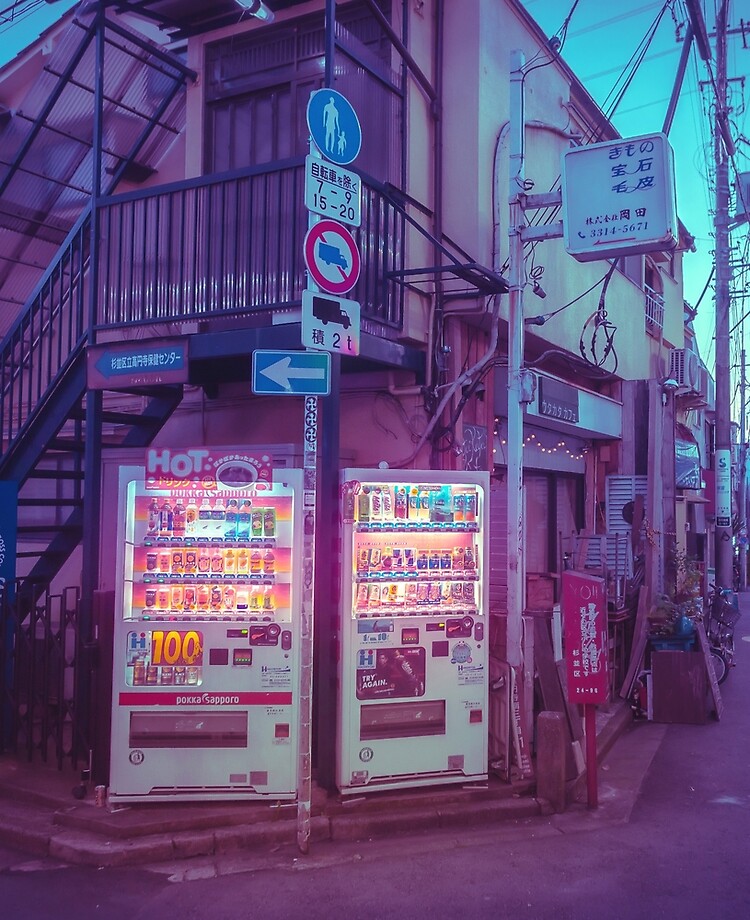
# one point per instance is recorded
(584, 609)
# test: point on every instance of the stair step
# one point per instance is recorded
(110, 417)
(68, 445)
(57, 474)
(48, 528)
(50, 502)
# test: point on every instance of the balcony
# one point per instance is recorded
(654, 311)
(222, 246)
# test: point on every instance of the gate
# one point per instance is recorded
(40, 655)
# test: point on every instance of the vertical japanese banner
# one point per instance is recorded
(584, 609)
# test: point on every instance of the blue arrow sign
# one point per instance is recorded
(334, 126)
(291, 373)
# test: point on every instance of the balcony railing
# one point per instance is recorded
(654, 309)
(232, 244)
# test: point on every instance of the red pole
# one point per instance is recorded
(591, 764)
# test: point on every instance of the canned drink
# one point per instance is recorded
(152, 560)
(139, 673)
(165, 562)
(152, 674)
(150, 597)
(167, 674)
(203, 597)
(163, 597)
(178, 596)
(100, 796)
(190, 599)
(179, 674)
(217, 596)
(192, 675)
(178, 562)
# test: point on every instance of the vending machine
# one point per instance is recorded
(413, 675)
(206, 641)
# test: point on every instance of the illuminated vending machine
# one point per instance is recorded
(206, 644)
(413, 678)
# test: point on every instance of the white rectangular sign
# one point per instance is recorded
(619, 198)
(330, 323)
(332, 191)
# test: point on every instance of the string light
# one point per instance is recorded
(556, 444)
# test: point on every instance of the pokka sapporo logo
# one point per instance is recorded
(166, 468)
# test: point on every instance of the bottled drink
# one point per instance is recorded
(363, 504)
(269, 522)
(191, 517)
(217, 597)
(177, 562)
(166, 520)
(242, 598)
(255, 562)
(256, 522)
(178, 519)
(204, 561)
(191, 561)
(269, 562)
(229, 597)
(268, 603)
(230, 561)
(219, 511)
(243, 520)
(203, 596)
(232, 516)
(243, 562)
(204, 512)
(217, 562)
(401, 503)
(152, 526)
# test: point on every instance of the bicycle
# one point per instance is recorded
(719, 620)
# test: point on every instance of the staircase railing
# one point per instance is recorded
(46, 337)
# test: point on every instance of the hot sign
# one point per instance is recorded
(584, 609)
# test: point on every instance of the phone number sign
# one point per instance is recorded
(619, 198)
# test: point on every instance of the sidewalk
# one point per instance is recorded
(39, 815)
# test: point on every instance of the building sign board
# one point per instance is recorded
(619, 198)
(558, 400)
(723, 464)
(584, 610)
(119, 365)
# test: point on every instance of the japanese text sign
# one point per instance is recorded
(584, 610)
(619, 198)
(140, 362)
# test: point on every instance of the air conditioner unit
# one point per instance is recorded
(684, 366)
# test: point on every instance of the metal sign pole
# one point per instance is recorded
(309, 489)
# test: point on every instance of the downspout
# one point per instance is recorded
(436, 331)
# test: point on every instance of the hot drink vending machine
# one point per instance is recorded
(206, 641)
(413, 670)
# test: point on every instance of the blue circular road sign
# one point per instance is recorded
(334, 126)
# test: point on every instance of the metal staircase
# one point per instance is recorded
(42, 413)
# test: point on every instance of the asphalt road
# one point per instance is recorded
(670, 839)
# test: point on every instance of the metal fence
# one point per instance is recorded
(40, 653)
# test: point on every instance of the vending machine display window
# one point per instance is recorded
(206, 646)
(414, 660)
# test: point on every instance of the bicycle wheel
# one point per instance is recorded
(721, 668)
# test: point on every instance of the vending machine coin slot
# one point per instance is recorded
(435, 627)
(459, 628)
(286, 639)
(479, 631)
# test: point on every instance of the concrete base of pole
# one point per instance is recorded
(551, 739)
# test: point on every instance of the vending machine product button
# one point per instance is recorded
(479, 632)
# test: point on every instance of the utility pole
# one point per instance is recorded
(723, 148)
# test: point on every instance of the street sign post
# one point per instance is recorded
(331, 257)
(330, 323)
(618, 198)
(334, 126)
(291, 373)
(332, 191)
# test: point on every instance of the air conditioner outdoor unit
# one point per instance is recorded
(684, 366)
